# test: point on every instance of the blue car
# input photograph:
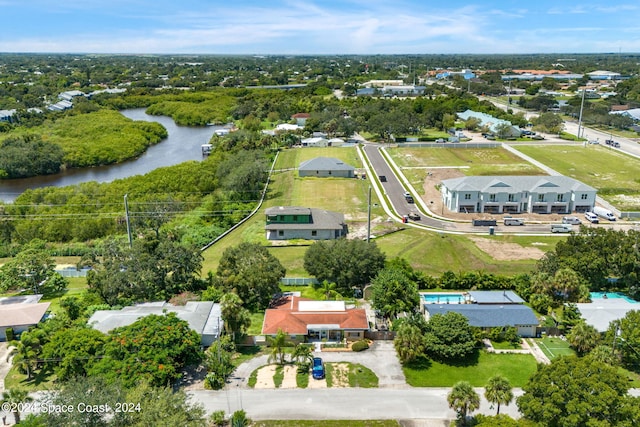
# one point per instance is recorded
(318, 369)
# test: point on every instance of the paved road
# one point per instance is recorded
(339, 403)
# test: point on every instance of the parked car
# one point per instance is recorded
(414, 216)
(440, 141)
(409, 199)
(318, 368)
(591, 217)
(571, 220)
(561, 228)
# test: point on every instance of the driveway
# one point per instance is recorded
(5, 364)
(381, 358)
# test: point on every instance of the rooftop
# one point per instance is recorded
(506, 184)
(496, 297)
(601, 312)
(325, 163)
(488, 315)
(12, 315)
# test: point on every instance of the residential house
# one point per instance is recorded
(326, 167)
(493, 124)
(303, 320)
(21, 313)
(204, 317)
(491, 309)
(517, 194)
(316, 141)
(301, 118)
(7, 115)
(293, 222)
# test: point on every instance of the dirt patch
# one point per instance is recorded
(503, 251)
(313, 383)
(340, 375)
(264, 377)
(289, 379)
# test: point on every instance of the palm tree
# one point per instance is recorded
(277, 347)
(498, 391)
(463, 399)
(583, 337)
(302, 353)
(329, 290)
(16, 397)
(25, 354)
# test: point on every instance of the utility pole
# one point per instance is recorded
(126, 212)
(369, 216)
(584, 90)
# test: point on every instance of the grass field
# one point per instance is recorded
(517, 368)
(554, 347)
(481, 161)
(613, 173)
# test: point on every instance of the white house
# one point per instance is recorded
(517, 194)
(295, 222)
(326, 167)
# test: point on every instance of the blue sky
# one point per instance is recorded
(319, 27)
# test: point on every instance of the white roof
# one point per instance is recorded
(321, 306)
(602, 312)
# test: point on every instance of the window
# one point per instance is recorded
(492, 197)
(541, 197)
(560, 198)
(512, 197)
(467, 196)
(314, 233)
(584, 197)
(295, 217)
(281, 217)
(280, 233)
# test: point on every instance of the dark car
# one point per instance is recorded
(409, 199)
(382, 178)
(318, 368)
(414, 216)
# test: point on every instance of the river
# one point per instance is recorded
(182, 144)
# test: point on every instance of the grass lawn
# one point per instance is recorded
(504, 345)
(256, 323)
(517, 368)
(435, 253)
(612, 172)
(326, 423)
(41, 380)
(477, 161)
(554, 347)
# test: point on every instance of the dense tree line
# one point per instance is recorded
(22, 157)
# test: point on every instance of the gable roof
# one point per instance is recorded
(532, 184)
(488, 315)
(325, 164)
(294, 318)
(12, 315)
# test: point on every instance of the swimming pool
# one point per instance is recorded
(443, 298)
(611, 295)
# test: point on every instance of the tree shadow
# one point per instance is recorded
(420, 363)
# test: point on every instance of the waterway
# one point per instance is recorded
(182, 144)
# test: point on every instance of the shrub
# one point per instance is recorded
(360, 345)
(10, 334)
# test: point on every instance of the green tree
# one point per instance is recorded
(218, 361)
(409, 342)
(498, 391)
(624, 334)
(583, 338)
(393, 293)
(252, 272)
(575, 391)
(463, 399)
(549, 122)
(278, 344)
(237, 319)
(30, 268)
(26, 351)
(72, 352)
(449, 336)
(16, 398)
(154, 348)
(347, 263)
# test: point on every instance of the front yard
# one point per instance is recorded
(340, 374)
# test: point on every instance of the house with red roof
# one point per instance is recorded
(303, 320)
(301, 118)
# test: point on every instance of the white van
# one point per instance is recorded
(513, 221)
(561, 228)
(571, 220)
(591, 217)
